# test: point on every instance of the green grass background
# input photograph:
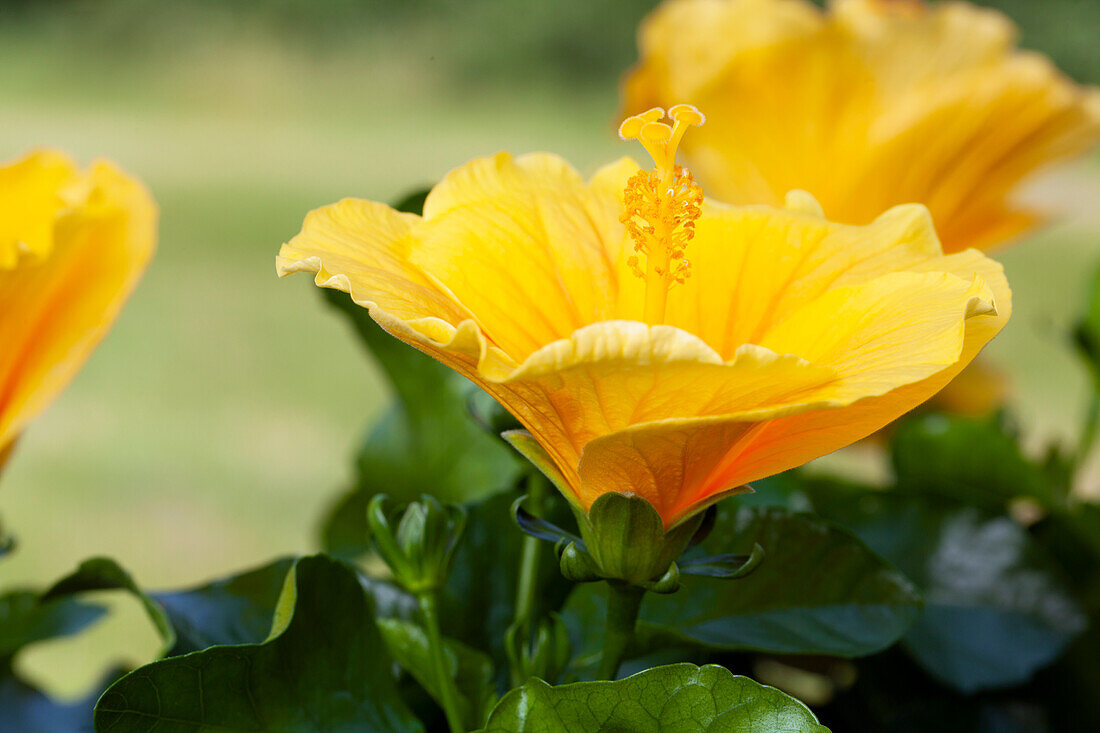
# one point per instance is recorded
(218, 418)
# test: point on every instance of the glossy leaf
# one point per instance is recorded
(819, 590)
(232, 610)
(678, 697)
(472, 670)
(102, 573)
(976, 461)
(23, 709)
(324, 668)
(996, 608)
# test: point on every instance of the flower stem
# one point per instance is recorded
(623, 603)
(527, 582)
(448, 692)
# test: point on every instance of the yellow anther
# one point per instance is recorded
(687, 114)
(655, 133)
(631, 127)
(660, 206)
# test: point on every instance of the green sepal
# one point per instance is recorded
(626, 539)
(540, 528)
(667, 583)
(421, 549)
(577, 565)
(725, 567)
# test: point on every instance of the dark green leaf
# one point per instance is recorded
(23, 709)
(996, 608)
(679, 697)
(25, 618)
(324, 668)
(819, 590)
(232, 610)
(472, 670)
(975, 461)
(101, 573)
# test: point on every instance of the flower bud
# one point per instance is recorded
(547, 655)
(626, 540)
(421, 549)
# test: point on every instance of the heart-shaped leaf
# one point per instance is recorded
(232, 610)
(324, 668)
(819, 590)
(677, 697)
(996, 608)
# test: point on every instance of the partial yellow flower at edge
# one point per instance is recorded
(789, 337)
(73, 245)
(867, 105)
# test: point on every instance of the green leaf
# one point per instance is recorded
(819, 590)
(24, 709)
(26, 618)
(975, 461)
(996, 608)
(678, 697)
(101, 573)
(324, 668)
(232, 610)
(472, 670)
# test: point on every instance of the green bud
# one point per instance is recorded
(421, 550)
(626, 540)
(551, 650)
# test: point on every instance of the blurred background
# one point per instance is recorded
(218, 419)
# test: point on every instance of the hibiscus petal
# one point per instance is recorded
(753, 266)
(685, 463)
(500, 231)
(615, 374)
(55, 309)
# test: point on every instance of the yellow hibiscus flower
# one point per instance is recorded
(573, 304)
(867, 105)
(72, 246)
